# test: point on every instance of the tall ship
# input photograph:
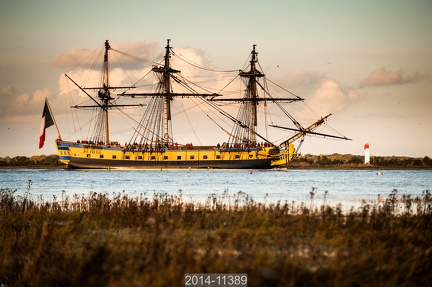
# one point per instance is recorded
(152, 143)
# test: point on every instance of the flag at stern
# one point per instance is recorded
(47, 121)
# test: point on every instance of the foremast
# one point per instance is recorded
(252, 93)
(245, 130)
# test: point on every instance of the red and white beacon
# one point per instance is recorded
(367, 154)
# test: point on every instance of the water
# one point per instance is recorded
(348, 187)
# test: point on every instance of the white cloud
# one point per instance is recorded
(382, 115)
(120, 74)
(331, 97)
(132, 51)
(17, 106)
(305, 79)
(382, 77)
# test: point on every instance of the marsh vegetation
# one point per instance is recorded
(115, 240)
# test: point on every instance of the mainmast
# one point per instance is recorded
(167, 91)
(157, 116)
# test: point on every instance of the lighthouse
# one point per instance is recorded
(367, 154)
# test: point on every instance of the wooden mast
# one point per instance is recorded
(106, 96)
(252, 96)
(167, 92)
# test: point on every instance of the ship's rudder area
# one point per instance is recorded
(63, 151)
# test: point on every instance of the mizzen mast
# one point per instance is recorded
(103, 101)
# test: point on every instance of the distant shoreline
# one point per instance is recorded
(377, 168)
(308, 161)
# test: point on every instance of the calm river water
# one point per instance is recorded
(348, 187)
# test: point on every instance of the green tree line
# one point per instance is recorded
(338, 160)
(334, 160)
(38, 161)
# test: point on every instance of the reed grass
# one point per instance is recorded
(102, 240)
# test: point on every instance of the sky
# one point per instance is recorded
(369, 63)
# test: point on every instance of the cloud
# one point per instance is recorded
(17, 106)
(194, 55)
(307, 79)
(380, 116)
(86, 76)
(128, 73)
(382, 77)
(331, 97)
(147, 51)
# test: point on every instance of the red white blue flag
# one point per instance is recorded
(47, 121)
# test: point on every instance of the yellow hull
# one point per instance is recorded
(77, 155)
(285, 157)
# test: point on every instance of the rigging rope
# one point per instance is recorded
(136, 58)
(283, 88)
(123, 69)
(190, 123)
(181, 57)
(150, 126)
(94, 51)
(199, 106)
(228, 83)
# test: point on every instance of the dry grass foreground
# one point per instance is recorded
(101, 240)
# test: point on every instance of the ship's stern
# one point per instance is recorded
(63, 151)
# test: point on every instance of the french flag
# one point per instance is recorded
(47, 121)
